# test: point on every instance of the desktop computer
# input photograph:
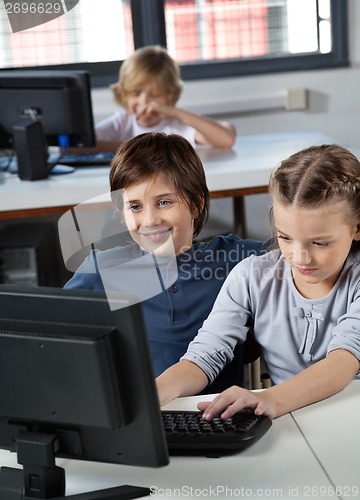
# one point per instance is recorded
(29, 255)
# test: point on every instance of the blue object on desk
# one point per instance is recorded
(61, 169)
(63, 140)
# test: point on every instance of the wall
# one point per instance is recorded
(334, 104)
(333, 108)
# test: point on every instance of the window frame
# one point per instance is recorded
(148, 19)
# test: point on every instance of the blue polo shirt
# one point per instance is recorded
(174, 315)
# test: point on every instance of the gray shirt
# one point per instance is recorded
(294, 332)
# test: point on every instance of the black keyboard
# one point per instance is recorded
(86, 159)
(9, 163)
(188, 432)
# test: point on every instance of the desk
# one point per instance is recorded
(332, 430)
(242, 171)
(280, 465)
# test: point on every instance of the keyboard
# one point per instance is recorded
(86, 159)
(187, 432)
(9, 163)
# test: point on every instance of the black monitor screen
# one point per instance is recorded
(76, 381)
(59, 100)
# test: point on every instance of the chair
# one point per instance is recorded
(252, 362)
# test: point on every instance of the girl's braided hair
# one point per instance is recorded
(318, 176)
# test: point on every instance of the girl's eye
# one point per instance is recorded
(135, 207)
(282, 237)
(164, 203)
(319, 244)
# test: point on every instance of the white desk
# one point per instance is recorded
(241, 171)
(332, 429)
(280, 465)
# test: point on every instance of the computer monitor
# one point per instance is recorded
(41, 108)
(76, 382)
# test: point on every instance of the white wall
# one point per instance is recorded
(333, 108)
(334, 101)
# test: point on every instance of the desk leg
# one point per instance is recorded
(240, 227)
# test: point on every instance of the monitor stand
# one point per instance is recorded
(40, 478)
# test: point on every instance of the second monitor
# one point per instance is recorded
(42, 108)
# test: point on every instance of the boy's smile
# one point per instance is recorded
(157, 219)
(154, 237)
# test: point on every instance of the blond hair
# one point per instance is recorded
(148, 64)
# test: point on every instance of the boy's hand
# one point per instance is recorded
(146, 114)
(235, 399)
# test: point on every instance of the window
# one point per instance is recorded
(209, 38)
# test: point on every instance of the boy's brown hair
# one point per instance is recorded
(172, 157)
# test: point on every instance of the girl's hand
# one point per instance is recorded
(236, 398)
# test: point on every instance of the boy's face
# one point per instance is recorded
(145, 103)
(157, 219)
(316, 244)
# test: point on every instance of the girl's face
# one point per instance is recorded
(316, 244)
(144, 102)
(158, 221)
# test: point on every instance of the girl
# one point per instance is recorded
(158, 185)
(148, 89)
(302, 300)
